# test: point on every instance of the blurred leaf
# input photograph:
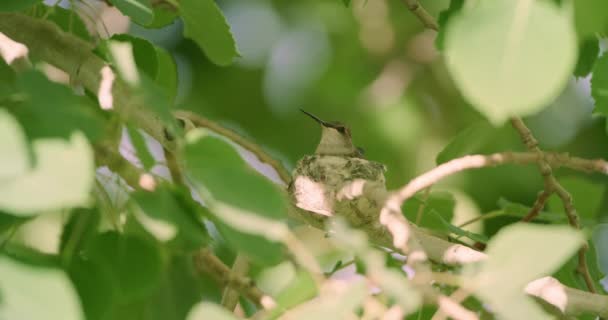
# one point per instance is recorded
(96, 287)
(134, 263)
(244, 203)
(335, 302)
(162, 17)
(588, 53)
(301, 289)
(15, 160)
(590, 16)
(568, 275)
(78, 231)
(600, 239)
(599, 85)
(511, 74)
(516, 251)
(205, 24)
(140, 11)
(448, 228)
(444, 17)
(53, 110)
(180, 291)
(8, 221)
(68, 20)
(467, 141)
(172, 207)
(587, 198)
(141, 149)
(8, 76)
(62, 178)
(34, 292)
(207, 310)
(346, 2)
(440, 203)
(518, 210)
(155, 62)
(17, 5)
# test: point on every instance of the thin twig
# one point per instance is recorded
(205, 261)
(538, 206)
(240, 268)
(418, 10)
(552, 185)
(200, 121)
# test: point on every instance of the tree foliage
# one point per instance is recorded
(147, 144)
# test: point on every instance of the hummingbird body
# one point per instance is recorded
(335, 178)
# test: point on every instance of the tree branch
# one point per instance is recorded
(205, 261)
(552, 185)
(418, 10)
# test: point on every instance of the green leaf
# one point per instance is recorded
(182, 288)
(53, 110)
(467, 141)
(568, 275)
(15, 160)
(517, 251)
(172, 206)
(140, 11)
(334, 303)
(134, 263)
(141, 149)
(78, 231)
(62, 178)
(590, 16)
(510, 58)
(246, 206)
(441, 203)
(302, 288)
(519, 211)
(207, 310)
(162, 17)
(587, 197)
(444, 17)
(68, 20)
(17, 5)
(96, 287)
(346, 3)
(205, 24)
(34, 292)
(599, 85)
(589, 51)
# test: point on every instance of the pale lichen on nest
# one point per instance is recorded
(331, 185)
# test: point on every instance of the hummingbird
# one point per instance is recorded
(336, 139)
(332, 180)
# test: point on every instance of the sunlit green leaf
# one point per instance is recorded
(134, 263)
(512, 73)
(206, 25)
(62, 177)
(301, 289)
(140, 11)
(34, 292)
(516, 251)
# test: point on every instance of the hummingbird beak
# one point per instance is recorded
(321, 122)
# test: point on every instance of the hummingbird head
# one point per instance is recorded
(336, 139)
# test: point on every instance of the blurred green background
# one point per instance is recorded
(373, 66)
